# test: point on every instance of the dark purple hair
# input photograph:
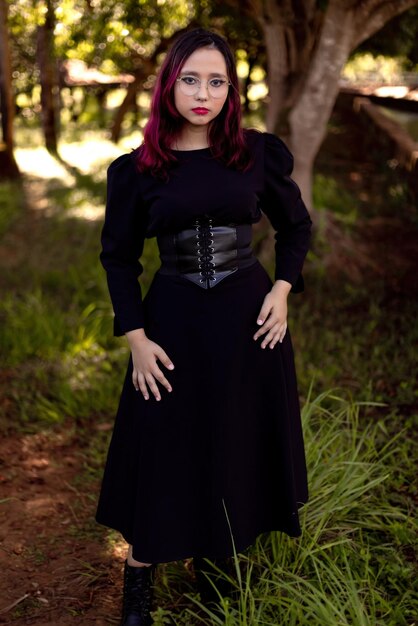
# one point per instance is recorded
(226, 137)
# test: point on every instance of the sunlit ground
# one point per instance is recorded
(89, 156)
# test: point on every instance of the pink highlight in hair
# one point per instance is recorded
(226, 137)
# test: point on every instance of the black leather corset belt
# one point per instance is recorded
(206, 253)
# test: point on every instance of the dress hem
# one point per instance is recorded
(244, 546)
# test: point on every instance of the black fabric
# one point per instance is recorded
(221, 458)
(141, 206)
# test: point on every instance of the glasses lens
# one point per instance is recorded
(218, 88)
(190, 85)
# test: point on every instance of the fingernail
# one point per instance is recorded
(146, 397)
(158, 399)
(169, 389)
(260, 321)
(171, 366)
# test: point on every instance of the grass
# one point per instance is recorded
(348, 567)
(354, 564)
(12, 204)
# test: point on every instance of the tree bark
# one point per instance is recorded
(8, 165)
(309, 117)
(305, 77)
(277, 61)
(49, 79)
(127, 103)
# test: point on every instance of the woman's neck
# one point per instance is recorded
(191, 139)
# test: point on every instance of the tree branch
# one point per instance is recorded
(374, 14)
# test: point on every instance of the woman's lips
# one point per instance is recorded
(200, 111)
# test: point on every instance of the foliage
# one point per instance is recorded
(374, 68)
(398, 38)
(111, 35)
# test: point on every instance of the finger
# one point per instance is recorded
(270, 335)
(165, 360)
(157, 373)
(265, 328)
(277, 339)
(152, 385)
(264, 312)
(134, 381)
(279, 336)
(143, 386)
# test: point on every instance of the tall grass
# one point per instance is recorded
(342, 570)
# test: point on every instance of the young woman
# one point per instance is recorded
(207, 449)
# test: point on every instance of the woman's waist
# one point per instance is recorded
(206, 253)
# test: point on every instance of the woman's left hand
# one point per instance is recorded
(273, 315)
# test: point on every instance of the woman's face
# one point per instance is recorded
(204, 68)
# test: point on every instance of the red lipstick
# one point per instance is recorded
(200, 111)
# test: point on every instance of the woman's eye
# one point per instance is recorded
(216, 82)
(189, 80)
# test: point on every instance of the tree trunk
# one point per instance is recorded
(49, 79)
(309, 117)
(127, 103)
(8, 165)
(277, 62)
(307, 49)
(101, 96)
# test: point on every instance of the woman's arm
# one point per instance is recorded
(282, 203)
(123, 237)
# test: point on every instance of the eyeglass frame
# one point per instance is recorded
(199, 82)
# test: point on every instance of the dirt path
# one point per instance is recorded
(55, 565)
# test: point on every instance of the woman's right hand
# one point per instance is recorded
(145, 367)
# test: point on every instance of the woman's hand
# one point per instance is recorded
(273, 314)
(145, 368)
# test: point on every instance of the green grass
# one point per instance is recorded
(12, 203)
(352, 565)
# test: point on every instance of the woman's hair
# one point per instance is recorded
(226, 137)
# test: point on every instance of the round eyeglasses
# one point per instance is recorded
(190, 86)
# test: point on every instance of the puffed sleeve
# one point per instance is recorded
(122, 239)
(282, 203)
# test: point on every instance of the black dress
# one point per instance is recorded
(221, 457)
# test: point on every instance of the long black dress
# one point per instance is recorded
(221, 457)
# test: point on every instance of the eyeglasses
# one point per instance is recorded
(190, 86)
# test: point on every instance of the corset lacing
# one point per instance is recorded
(205, 249)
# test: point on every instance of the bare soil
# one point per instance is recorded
(54, 567)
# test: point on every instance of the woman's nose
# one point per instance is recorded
(203, 91)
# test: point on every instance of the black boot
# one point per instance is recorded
(203, 570)
(138, 593)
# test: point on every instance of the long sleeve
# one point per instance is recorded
(122, 239)
(282, 203)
